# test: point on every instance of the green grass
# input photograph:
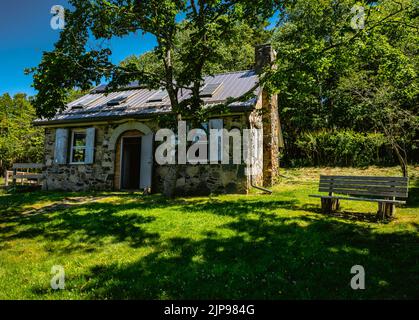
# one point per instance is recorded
(124, 245)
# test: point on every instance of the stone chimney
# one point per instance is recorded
(272, 135)
(265, 55)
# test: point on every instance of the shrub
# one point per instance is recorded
(343, 148)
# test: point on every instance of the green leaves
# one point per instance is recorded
(343, 148)
(193, 38)
(331, 76)
(19, 140)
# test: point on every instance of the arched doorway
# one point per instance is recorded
(132, 143)
(128, 161)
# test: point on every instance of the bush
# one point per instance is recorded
(344, 148)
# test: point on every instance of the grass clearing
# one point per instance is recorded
(124, 245)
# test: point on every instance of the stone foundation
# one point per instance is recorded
(203, 179)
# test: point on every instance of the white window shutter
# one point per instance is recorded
(61, 146)
(90, 146)
(146, 166)
(219, 125)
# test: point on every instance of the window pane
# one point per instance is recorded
(78, 155)
(79, 139)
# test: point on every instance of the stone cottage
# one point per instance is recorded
(106, 141)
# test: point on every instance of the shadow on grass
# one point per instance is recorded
(271, 258)
(88, 225)
(12, 203)
(265, 256)
(413, 200)
(368, 217)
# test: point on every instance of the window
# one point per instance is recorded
(209, 90)
(85, 101)
(158, 97)
(120, 99)
(78, 146)
(216, 148)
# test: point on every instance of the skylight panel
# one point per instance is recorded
(77, 107)
(121, 98)
(84, 102)
(158, 97)
(209, 90)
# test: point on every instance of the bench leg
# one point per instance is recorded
(386, 210)
(329, 205)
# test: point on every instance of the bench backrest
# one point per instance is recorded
(28, 166)
(365, 185)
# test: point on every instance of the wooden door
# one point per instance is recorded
(130, 163)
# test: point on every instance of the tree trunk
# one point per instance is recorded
(173, 174)
(402, 159)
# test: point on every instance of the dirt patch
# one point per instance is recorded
(66, 203)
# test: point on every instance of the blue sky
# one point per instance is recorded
(25, 32)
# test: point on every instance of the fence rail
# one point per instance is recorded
(22, 174)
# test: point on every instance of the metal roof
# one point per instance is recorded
(234, 85)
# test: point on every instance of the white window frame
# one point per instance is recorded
(72, 147)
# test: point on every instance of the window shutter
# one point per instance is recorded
(90, 146)
(61, 146)
(146, 166)
(219, 125)
(199, 139)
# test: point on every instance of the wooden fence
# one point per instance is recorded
(24, 173)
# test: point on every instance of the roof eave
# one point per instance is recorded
(40, 123)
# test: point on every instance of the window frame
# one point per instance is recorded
(72, 147)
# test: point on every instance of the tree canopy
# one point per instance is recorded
(20, 141)
(186, 48)
(233, 54)
(333, 71)
(331, 76)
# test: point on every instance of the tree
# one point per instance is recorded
(20, 141)
(233, 54)
(207, 25)
(385, 87)
(332, 76)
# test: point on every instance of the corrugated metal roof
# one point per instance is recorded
(234, 85)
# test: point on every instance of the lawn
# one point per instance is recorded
(125, 245)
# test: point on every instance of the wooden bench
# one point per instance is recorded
(24, 177)
(383, 190)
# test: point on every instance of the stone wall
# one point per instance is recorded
(271, 134)
(192, 179)
(204, 179)
(80, 177)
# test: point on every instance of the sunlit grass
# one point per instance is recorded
(119, 245)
